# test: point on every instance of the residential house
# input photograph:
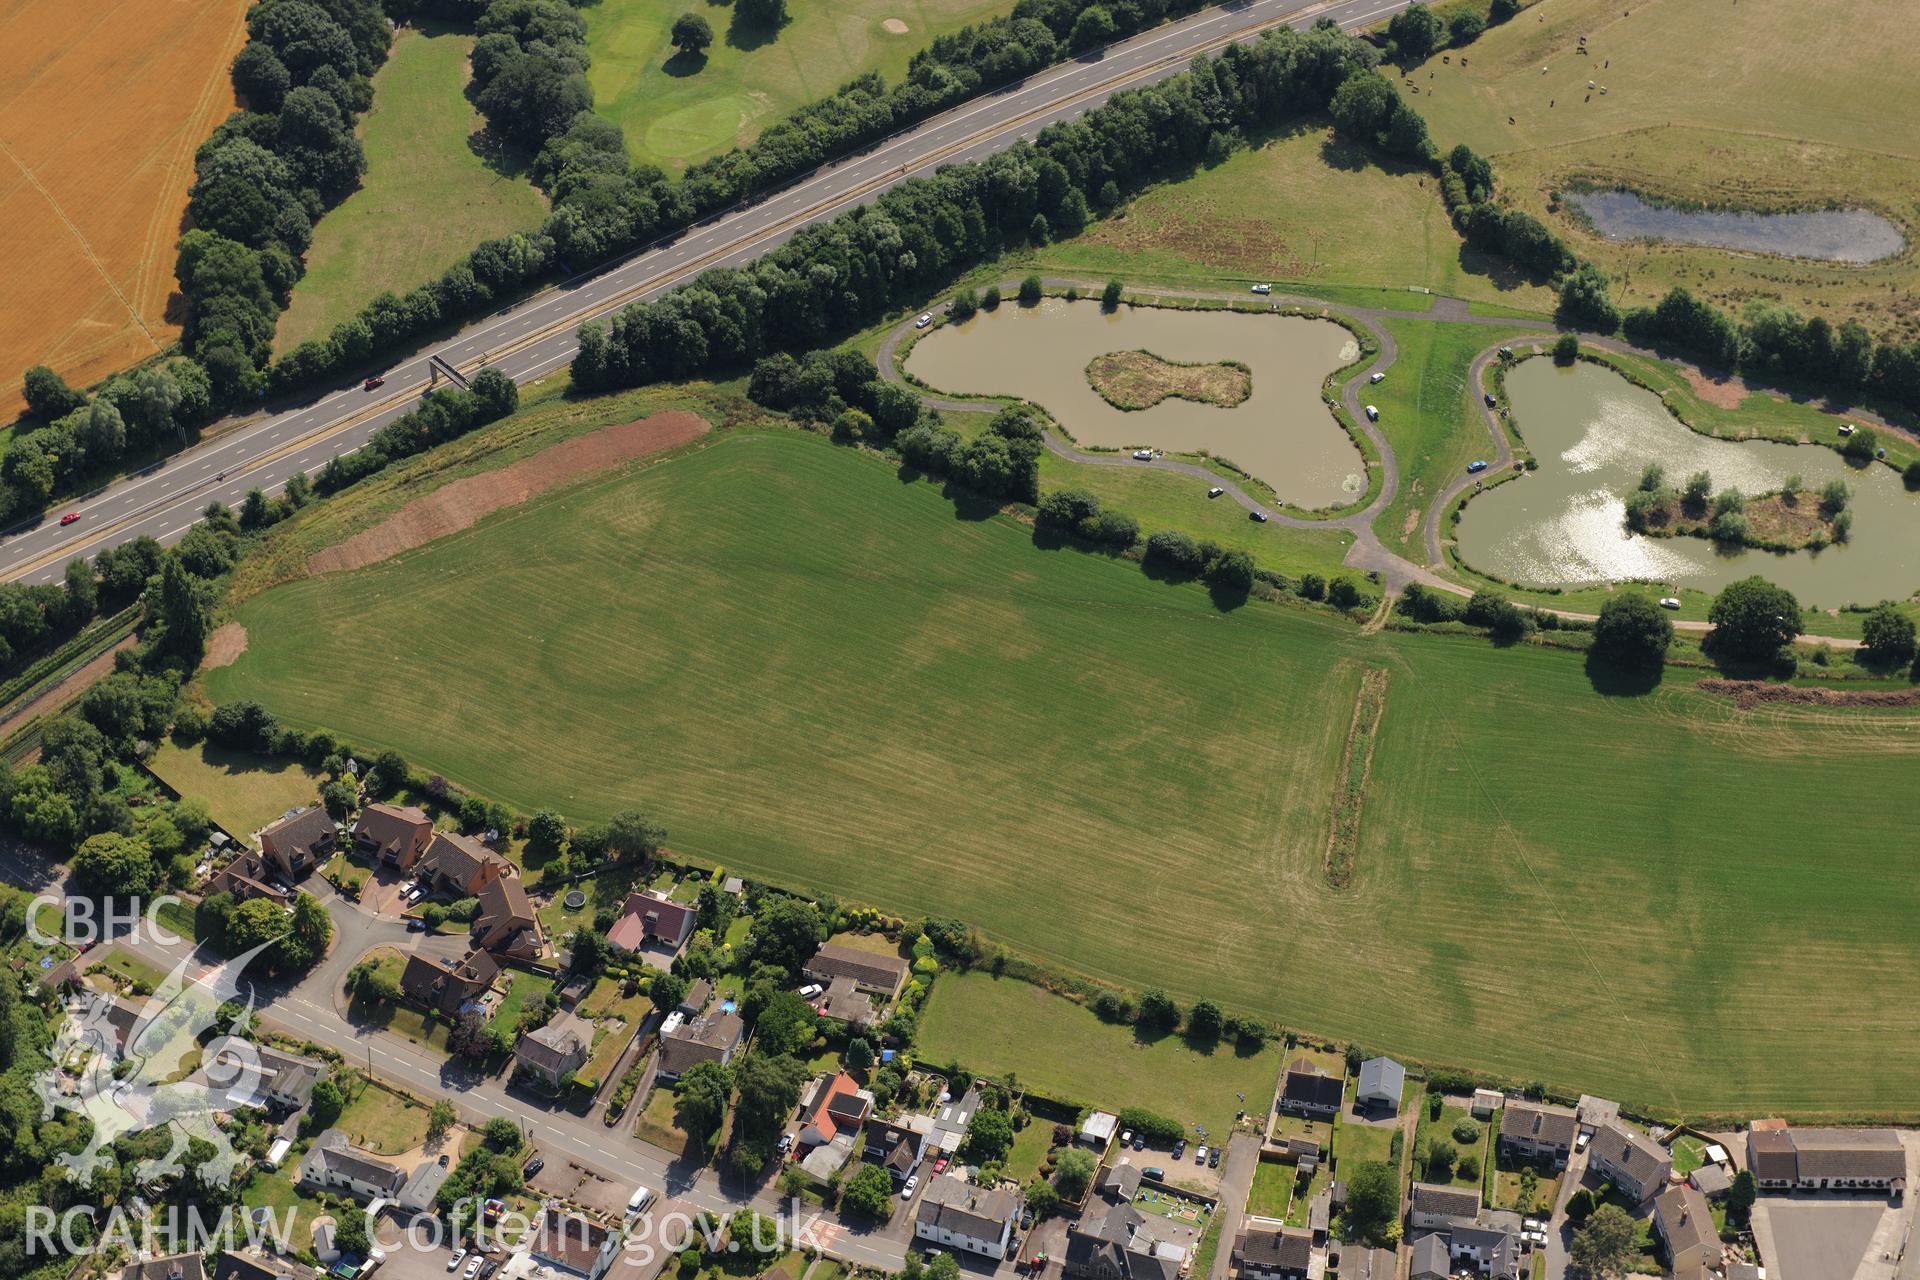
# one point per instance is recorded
(1382, 1081)
(1430, 1259)
(1269, 1249)
(1635, 1163)
(1485, 1103)
(246, 877)
(336, 1165)
(696, 998)
(649, 918)
(243, 1264)
(1786, 1159)
(504, 923)
(1711, 1180)
(1304, 1152)
(572, 1245)
(1119, 1182)
(1309, 1091)
(396, 834)
(422, 1188)
(1595, 1112)
(825, 1160)
(839, 1106)
(1685, 1226)
(959, 1215)
(1489, 1247)
(1118, 1242)
(551, 1054)
(898, 1145)
(1358, 1262)
(845, 1002)
(1437, 1208)
(299, 842)
(450, 987)
(880, 976)
(287, 1079)
(1538, 1135)
(460, 865)
(175, 1266)
(951, 1119)
(712, 1038)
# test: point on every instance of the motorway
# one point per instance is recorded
(537, 336)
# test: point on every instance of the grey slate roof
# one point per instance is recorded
(1273, 1245)
(1430, 1259)
(1382, 1077)
(1455, 1202)
(958, 1206)
(1539, 1124)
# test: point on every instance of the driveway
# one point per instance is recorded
(1236, 1181)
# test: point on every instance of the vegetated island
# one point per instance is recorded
(1791, 518)
(1141, 380)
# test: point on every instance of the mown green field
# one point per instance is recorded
(1752, 103)
(678, 111)
(427, 197)
(816, 671)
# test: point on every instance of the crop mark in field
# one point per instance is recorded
(86, 249)
(1350, 784)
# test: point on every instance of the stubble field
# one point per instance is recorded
(816, 671)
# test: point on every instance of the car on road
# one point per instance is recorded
(1143, 455)
(922, 320)
(906, 1188)
(1669, 602)
(459, 1256)
(638, 1201)
(1373, 414)
(1475, 467)
(69, 518)
(374, 383)
(1215, 492)
(1258, 517)
(416, 925)
(1263, 289)
(1377, 378)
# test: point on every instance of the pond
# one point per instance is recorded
(1594, 432)
(1854, 236)
(1281, 433)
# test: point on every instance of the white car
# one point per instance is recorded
(641, 1198)
(906, 1190)
(1846, 428)
(1377, 377)
(925, 319)
(1669, 602)
(1263, 289)
(1373, 414)
(1143, 455)
(1215, 492)
(453, 1263)
(811, 990)
(473, 1267)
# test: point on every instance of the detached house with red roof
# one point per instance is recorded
(650, 918)
(839, 1106)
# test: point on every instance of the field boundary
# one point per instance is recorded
(1356, 767)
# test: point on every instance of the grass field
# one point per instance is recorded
(678, 111)
(1301, 210)
(427, 196)
(243, 792)
(1704, 104)
(1272, 1189)
(812, 670)
(101, 107)
(381, 1120)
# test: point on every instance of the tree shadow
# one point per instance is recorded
(1611, 680)
(683, 64)
(500, 156)
(1227, 598)
(746, 35)
(970, 506)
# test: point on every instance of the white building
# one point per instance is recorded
(959, 1215)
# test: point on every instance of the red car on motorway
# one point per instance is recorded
(375, 381)
(69, 518)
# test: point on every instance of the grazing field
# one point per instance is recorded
(1775, 104)
(678, 111)
(101, 106)
(427, 196)
(814, 670)
(1299, 210)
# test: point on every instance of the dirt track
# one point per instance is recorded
(1751, 693)
(457, 505)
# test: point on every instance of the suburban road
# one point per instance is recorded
(537, 336)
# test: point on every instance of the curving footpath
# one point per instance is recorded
(1367, 553)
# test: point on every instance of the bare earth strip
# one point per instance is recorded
(1750, 693)
(456, 506)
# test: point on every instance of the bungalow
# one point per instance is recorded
(839, 1106)
(1430, 1259)
(300, 841)
(1827, 1160)
(238, 1264)
(1382, 1081)
(899, 1144)
(1269, 1249)
(461, 865)
(1635, 1163)
(1437, 1208)
(396, 834)
(1310, 1091)
(333, 1164)
(1685, 1226)
(450, 987)
(551, 1054)
(175, 1266)
(1358, 1262)
(1116, 1242)
(713, 1038)
(880, 976)
(572, 1245)
(504, 923)
(246, 877)
(650, 918)
(1538, 1135)
(959, 1215)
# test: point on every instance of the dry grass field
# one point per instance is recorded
(102, 103)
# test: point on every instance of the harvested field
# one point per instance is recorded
(458, 505)
(225, 645)
(1751, 693)
(1141, 380)
(101, 106)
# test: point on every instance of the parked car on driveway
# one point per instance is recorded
(924, 319)
(906, 1189)
(459, 1256)
(534, 1166)
(1200, 1155)
(1213, 1158)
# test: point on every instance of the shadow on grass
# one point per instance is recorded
(746, 35)
(683, 64)
(1610, 680)
(501, 157)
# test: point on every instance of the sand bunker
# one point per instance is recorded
(455, 506)
(894, 27)
(225, 646)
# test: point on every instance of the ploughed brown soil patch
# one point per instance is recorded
(1141, 379)
(457, 505)
(1751, 693)
(225, 645)
(1727, 393)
